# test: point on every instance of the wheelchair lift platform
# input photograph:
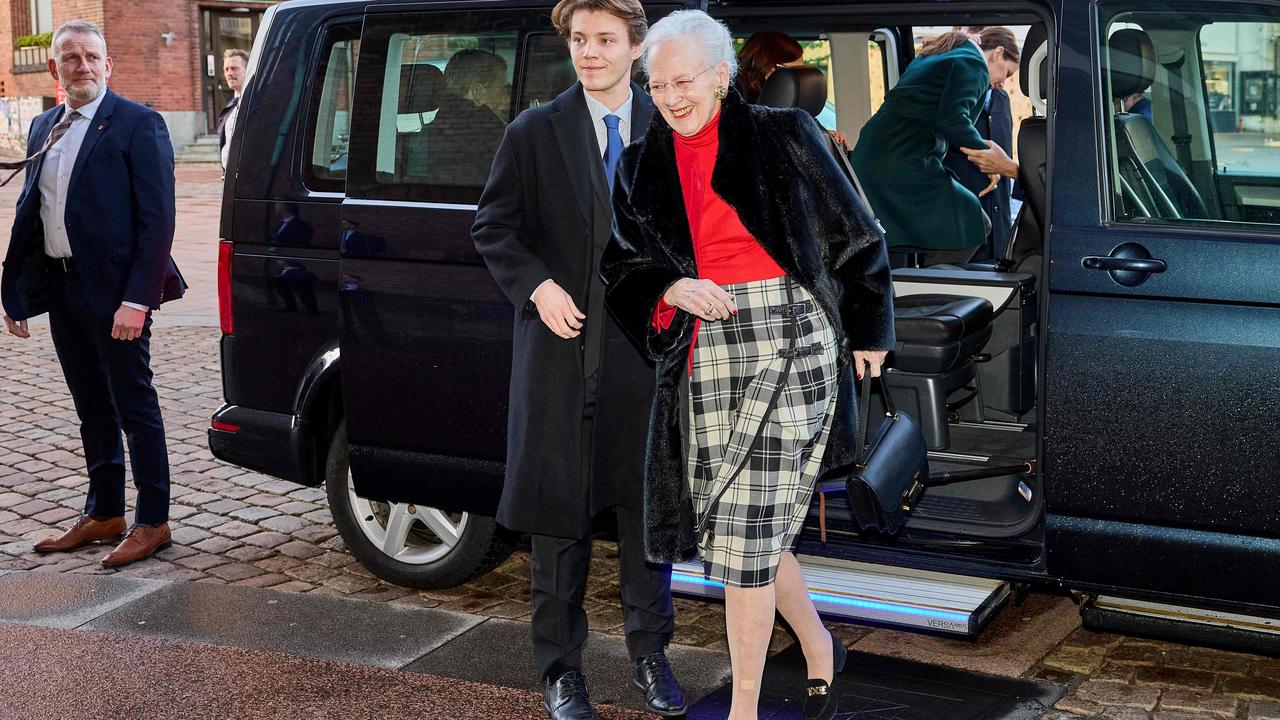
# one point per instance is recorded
(857, 592)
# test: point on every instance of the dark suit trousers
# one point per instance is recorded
(110, 383)
(559, 571)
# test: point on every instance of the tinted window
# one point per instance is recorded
(434, 104)
(1192, 103)
(327, 142)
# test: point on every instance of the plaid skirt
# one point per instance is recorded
(761, 398)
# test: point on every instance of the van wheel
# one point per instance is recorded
(410, 545)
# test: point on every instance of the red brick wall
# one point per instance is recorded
(145, 69)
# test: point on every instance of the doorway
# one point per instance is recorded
(222, 30)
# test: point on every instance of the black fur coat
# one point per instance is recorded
(773, 167)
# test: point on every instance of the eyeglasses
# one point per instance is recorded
(682, 86)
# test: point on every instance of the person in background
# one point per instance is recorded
(994, 124)
(760, 56)
(754, 275)
(901, 148)
(234, 64)
(1138, 104)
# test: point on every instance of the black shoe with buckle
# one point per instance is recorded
(819, 702)
(565, 698)
(658, 686)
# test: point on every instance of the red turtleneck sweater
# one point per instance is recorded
(726, 252)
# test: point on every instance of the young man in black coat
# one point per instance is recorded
(580, 390)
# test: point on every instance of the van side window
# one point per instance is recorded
(1192, 105)
(327, 141)
(433, 106)
(548, 70)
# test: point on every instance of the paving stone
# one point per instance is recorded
(56, 515)
(236, 529)
(223, 507)
(205, 520)
(267, 539)
(1220, 706)
(285, 524)
(1083, 660)
(279, 563)
(1138, 653)
(235, 571)
(250, 553)
(254, 514)
(1108, 693)
(297, 507)
(201, 561)
(1259, 688)
(347, 584)
(1264, 710)
(310, 574)
(1184, 716)
(33, 507)
(333, 560)
(217, 545)
(299, 549)
(1165, 677)
(189, 535)
(265, 580)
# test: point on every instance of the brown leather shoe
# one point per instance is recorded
(85, 532)
(142, 541)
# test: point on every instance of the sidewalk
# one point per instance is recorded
(192, 650)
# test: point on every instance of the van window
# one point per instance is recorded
(548, 70)
(434, 106)
(1191, 99)
(325, 169)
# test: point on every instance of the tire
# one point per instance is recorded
(421, 559)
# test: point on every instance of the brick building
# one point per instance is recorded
(166, 54)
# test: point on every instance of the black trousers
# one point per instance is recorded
(559, 570)
(110, 383)
(560, 567)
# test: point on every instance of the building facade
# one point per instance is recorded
(167, 54)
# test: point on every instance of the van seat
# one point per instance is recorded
(937, 333)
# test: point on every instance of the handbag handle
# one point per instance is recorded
(864, 414)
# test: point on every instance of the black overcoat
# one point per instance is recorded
(545, 214)
(774, 169)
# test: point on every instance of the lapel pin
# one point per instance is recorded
(101, 126)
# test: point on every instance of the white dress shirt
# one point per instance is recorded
(228, 128)
(55, 180)
(598, 111)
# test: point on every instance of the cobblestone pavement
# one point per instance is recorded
(236, 527)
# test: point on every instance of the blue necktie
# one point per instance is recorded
(613, 150)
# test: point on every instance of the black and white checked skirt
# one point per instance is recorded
(760, 405)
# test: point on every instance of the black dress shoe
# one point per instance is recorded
(655, 682)
(819, 702)
(566, 698)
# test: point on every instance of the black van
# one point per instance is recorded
(1125, 347)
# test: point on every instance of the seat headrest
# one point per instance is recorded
(803, 87)
(1133, 62)
(1037, 35)
(420, 86)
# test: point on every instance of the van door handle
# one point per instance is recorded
(1145, 265)
(1129, 264)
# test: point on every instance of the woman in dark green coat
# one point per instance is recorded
(900, 150)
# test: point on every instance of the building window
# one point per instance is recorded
(41, 16)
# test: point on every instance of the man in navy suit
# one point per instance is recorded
(90, 246)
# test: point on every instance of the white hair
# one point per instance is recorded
(81, 27)
(693, 26)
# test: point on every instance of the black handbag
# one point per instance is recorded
(889, 471)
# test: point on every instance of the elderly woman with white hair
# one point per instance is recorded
(745, 264)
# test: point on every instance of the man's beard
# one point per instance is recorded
(84, 92)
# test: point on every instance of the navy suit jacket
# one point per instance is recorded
(119, 215)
